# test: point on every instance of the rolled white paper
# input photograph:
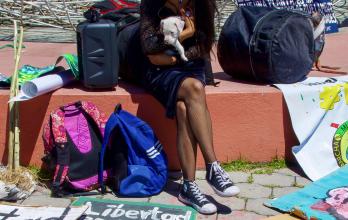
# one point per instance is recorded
(43, 85)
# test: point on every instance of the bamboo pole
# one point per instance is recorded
(16, 139)
(13, 140)
(16, 104)
(15, 38)
(13, 143)
(11, 105)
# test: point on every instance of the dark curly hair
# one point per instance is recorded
(204, 13)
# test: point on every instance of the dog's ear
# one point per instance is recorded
(316, 18)
(161, 26)
(179, 25)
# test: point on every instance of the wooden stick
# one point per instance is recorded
(67, 13)
(15, 38)
(11, 131)
(16, 139)
(16, 104)
(13, 147)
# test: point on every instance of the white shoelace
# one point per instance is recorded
(197, 193)
(223, 177)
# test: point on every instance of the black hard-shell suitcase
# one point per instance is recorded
(97, 54)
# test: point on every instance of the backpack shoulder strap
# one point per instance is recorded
(58, 129)
(98, 116)
(110, 125)
(63, 155)
(47, 136)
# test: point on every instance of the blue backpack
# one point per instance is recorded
(139, 166)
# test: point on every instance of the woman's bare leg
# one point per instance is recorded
(194, 123)
(192, 93)
(186, 143)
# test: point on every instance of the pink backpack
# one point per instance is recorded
(73, 138)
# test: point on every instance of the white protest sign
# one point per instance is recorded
(11, 212)
(318, 109)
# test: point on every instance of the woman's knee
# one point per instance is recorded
(180, 109)
(192, 88)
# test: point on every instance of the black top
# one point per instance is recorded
(152, 40)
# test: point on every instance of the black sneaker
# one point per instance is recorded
(219, 180)
(191, 195)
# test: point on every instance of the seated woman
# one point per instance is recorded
(179, 87)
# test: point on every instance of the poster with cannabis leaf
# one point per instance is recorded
(318, 110)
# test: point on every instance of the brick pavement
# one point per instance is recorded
(248, 205)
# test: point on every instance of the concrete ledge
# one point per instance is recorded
(249, 121)
(253, 125)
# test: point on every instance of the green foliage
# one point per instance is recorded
(250, 179)
(255, 167)
(297, 185)
(41, 174)
(271, 186)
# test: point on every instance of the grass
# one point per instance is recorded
(250, 179)
(271, 186)
(21, 177)
(255, 167)
(41, 174)
(297, 185)
(237, 165)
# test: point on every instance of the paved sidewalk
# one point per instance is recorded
(248, 205)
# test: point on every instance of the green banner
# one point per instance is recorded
(28, 72)
(124, 210)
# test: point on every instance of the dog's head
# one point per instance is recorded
(171, 28)
(318, 24)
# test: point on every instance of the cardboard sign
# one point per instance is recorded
(122, 210)
(12, 212)
(323, 199)
(282, 217)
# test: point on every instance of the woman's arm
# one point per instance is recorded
(162, 59)
(152, 40)
(189, 30)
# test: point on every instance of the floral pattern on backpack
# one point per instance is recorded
(94, 112)
(56, 123)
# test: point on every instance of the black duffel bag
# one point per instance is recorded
(132, 59)
(267, 45)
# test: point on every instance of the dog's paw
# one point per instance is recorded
(184, 58)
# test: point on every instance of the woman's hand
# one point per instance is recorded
(189, 30)
(162, 59)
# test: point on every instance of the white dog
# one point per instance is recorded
(171, 28)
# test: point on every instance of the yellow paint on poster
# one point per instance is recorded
(345, 88)
(329, 96)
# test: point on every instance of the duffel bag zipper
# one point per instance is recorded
(252, 42)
